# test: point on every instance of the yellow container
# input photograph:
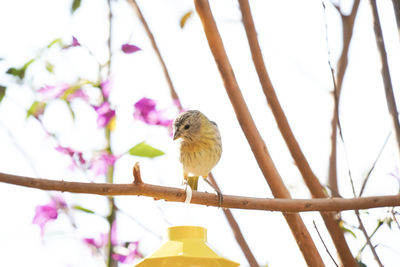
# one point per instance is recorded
(186, 247)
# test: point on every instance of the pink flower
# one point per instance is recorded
(77, 157)
(50, 92)
(78, 94)
(101, 163)
(129, 49)
(104, 114)
(48, 212)
(106, 88)
(75, 42)
(99, 242)
(129, 255)
(146, 111)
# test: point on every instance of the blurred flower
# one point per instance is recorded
(50, 92)
(75, 42)
(106, 88)
(48, 212)
(146, 111)
(129, 254)
(78, 94)
(101, 163)
(104, 114)
(99, 242)
(113, 234)
(129, 48)
(76, 156)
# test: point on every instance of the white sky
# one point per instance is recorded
(293, 38)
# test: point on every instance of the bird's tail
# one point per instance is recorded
(192, 181)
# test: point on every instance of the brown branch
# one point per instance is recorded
(368, 239)
(249, 128)
(323, 243)
(136, 174)
(174, 95)
(309, 177)
(231, 220)
(386, 73)
(347, 34)
(236, 231)
(202, 198)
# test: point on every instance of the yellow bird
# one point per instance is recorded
(200, 147)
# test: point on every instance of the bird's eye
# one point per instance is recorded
(187, 126)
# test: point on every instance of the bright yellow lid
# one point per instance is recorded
(186, 246)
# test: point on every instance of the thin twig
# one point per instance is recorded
(174, 95)
(368, 239)
(347, 34)
(257, 144)
(387, 81)
(373, 166)
(236, 231)
(136, 174)
(310, 179)
(323, 243)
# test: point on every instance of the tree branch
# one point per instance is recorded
(201, 198)
(174, 95)
(347, 34)
(236, 231)
(309, 177)
(257, 144)
(386, 73)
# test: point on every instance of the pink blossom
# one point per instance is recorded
(129, 48)
(76, 156)
(78, 94)
(101, 163)
(131, 254)
(50, 92)
(146, 111)
(113, 234)
(99, 242)
(48, 212)
(75, 42)
(104, 114)
(106, 88)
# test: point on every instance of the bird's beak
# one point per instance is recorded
(176, 135)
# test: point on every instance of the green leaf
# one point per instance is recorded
(361, 264)
(349, 231)
(21, 71)
(2, 92)
(49, 67)
(56, 41)
(144, 150)
(75, 5)
(36, 109)
(78, 207)
(185, 18)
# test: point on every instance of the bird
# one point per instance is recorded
(200, 147)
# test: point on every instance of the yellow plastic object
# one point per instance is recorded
(186, 247)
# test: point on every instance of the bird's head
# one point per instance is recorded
(188, 125)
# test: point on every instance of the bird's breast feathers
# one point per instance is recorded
(198, 158)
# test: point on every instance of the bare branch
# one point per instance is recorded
(202, 198)
(136, 174)
(368, 239)
(386, 73)
(236, 231)
(257, 144)
(309, 177)
(323, 243)
(174, 95)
